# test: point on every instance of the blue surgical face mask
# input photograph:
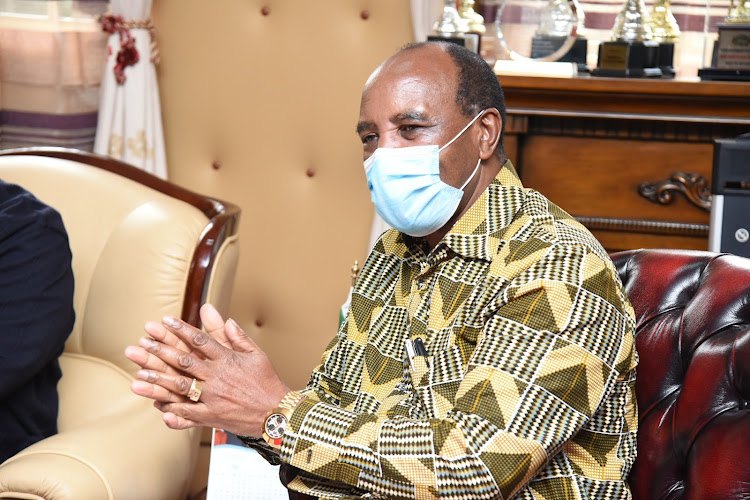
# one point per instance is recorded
(406, 189)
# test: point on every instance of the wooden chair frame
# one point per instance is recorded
(223, 217)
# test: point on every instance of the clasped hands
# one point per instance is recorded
(240, 384)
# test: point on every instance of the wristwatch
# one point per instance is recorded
(277, 419)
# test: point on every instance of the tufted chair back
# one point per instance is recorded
(142, 248)
(260, 102)
(693, 385)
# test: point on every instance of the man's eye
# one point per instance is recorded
(368, 139)
(409, 131)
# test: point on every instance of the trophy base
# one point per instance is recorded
(545, 45)
(471, 41)
(726, 75)
(666, 59)
(634, 60)
(628, 73)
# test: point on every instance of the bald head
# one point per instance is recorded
(471, 81)
(418, 59)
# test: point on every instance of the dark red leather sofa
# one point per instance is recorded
(693, 383)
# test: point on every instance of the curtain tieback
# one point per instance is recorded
(128, 54)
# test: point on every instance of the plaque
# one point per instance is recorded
(560, 19)
(733, 51)
(731, 56)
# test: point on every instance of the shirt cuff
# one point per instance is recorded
(264, 449)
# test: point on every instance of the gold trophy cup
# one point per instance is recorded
(474, 21)
(663, 25)
(666, 31)
(739, 12)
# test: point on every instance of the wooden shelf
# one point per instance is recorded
(590, 143)
(590, 84)
(725, 102)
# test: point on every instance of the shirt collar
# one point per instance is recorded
(477, 233)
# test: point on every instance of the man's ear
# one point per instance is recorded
(491, 126)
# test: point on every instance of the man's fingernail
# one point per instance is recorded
(142, 374)
(147, 343)
(170, 321)
(138, 387)
(239, 329)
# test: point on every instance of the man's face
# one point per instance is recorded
(410, 101)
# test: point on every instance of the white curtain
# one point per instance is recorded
(424, 13)
(129, 126)
(51, 55)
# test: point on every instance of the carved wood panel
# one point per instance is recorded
(631, 159)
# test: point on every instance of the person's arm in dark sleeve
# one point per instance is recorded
(36, 288)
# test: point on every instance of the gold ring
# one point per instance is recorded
(196, 388)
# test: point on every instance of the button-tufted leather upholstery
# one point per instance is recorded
(693, 385)
(260, 102)
(142, 248)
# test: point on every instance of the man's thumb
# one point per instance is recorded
(239, 340)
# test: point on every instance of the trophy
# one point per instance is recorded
(474, 21)
(632, 23)
(561, 19)
(740, 13)
(631, 52)
(664, 29)
(450, 22)
(558, 19)
(663, 25)
(451, 27)
(731, 56)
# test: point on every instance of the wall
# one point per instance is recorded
(260, 101)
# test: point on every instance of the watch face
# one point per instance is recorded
(276, 425)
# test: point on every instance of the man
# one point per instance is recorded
(36, 317)
(489, 349)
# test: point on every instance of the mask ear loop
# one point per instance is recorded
(463, 130)
(476, 169)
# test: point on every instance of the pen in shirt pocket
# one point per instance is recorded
(416, 348)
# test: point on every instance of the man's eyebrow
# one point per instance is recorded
(362, 126)
(406, 116)
(409, 115)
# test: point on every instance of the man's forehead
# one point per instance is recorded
(430, 63)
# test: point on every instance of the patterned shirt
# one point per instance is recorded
(527, 388)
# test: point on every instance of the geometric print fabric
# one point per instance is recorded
(527, 388)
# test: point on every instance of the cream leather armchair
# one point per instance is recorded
(142, 248)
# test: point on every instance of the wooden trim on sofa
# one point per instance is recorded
(223, 217)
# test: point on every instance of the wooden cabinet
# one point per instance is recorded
(630, 158)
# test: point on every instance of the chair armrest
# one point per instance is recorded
(127, 454)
